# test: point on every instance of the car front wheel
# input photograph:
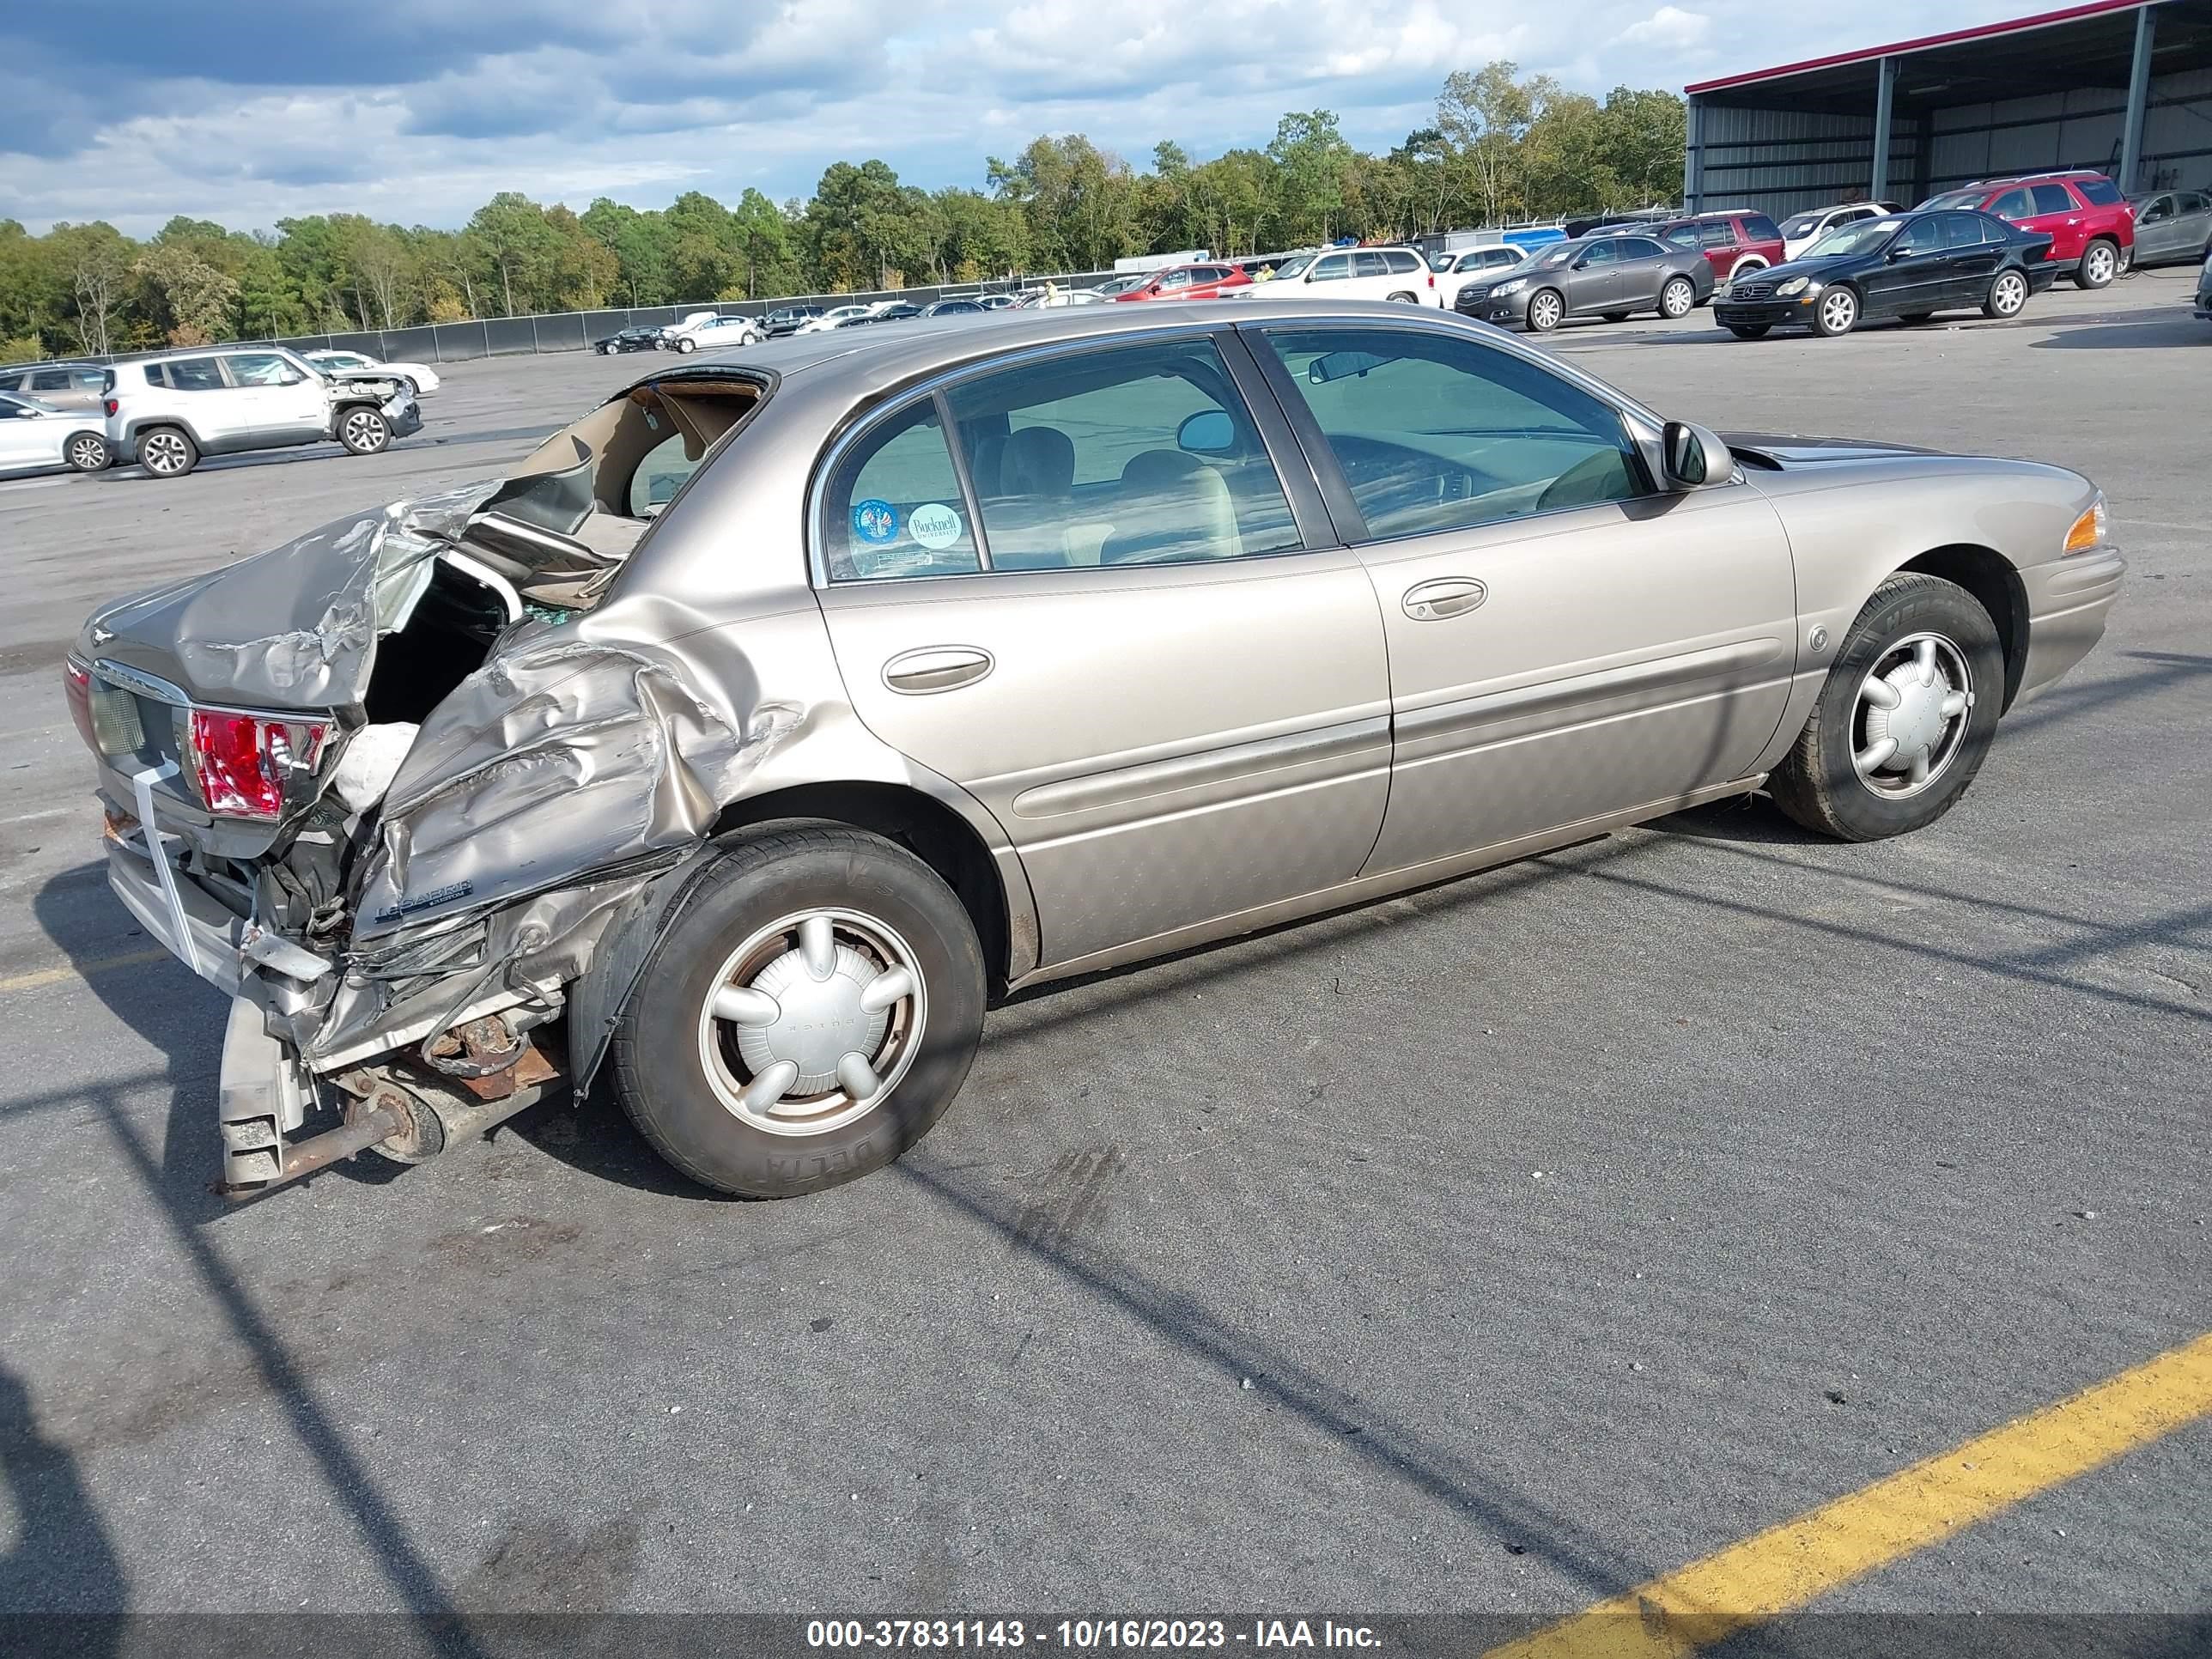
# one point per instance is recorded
(808, 1017)
(364, 431)
(2100, 263)
(1836, 314)
(687, 345)
(2008, 293)
(1545, 308)
(1905, 718)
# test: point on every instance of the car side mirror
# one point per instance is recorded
(1694, 457)
(1209, 432)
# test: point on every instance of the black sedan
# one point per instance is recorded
(628, 339)
(1609, 274)
(1905, 266)
(898, 311)
(787, 319)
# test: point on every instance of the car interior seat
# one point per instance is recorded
(1171, 506)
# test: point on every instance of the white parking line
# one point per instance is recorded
(32, 483)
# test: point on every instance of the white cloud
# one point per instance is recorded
(1671, 27)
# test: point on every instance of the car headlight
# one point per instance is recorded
(1794, 285)
(2091, 531)
(1504, 288)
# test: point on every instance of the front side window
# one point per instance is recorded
(2053, 198)
(193, 375)
(2012, 205)
(1142, 454)
(1333, 268)
(1176, 279)
(262, 369)
(1603, 252)
(1435, 433)
(1924, 235)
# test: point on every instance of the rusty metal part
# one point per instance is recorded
(478, 1049)
(304, 1157)
(422, 1133)
(530, 1067)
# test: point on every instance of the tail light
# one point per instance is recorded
(76, 686)
(240, 764)
(112, 405)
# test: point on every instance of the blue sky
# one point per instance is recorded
(250, 111)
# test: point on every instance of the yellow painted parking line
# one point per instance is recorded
(1787, 1566)
(31, 981)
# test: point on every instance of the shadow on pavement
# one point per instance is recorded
(2160, 331)
(63, 1561)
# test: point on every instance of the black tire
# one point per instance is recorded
(167, 452)
(658, 1057)
(2099, 265)
(603, 348)
(1677, 297)
(1616, 316)
(363, 430)
(413, 390)
(1749, 331)
(1836, 314)
(687, 345)
(1543, 319)
(2007, 295)
(1403, 298)
(88, 451)
(1819, 785)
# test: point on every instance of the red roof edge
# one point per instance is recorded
(1872, 54)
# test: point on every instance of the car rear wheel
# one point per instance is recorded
(1403, 298)
(1677, 298)
(364, 431)
(807, 1018)
(1836, 314)
(1904, 719)
(1545, 308)
(1749, 331)
(167, 452)
(88, 452)
(687, 345)
(2008, 293)
(2100, 263)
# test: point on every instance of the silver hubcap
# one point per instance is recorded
(1911, 716)
(811, 1022)
(86, 452)
(1837, 310)
(164, 451)
(1678, 298)
(2100, 264)
(2010, 292)
(1547, 311)
(363, 428)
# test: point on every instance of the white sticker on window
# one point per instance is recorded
(933, 525)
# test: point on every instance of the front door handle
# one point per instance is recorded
(1448, 596)
(935, 668)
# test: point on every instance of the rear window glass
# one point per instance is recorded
(2052, 199)
(1760, 228)
(895, 505)
(2102, 191)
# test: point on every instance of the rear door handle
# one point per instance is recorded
(937, 668)
(1448, 596)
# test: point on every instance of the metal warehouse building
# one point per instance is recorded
(2122, 86)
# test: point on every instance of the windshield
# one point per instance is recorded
(1803, 225)
(1295, 267)
(1863, 237)
(1955, 198)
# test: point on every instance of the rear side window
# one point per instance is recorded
(1640, 247)
(2052, 199)
(157, 375)
(1761, 229)
(1717, 233)
(1434, 432)
(894, 505)
(2101, 191)
(51, 379)
(1370, 264)
(193, 375)
(2012, 205)
(1498, 257)
(1137, 455)
(1962, 229)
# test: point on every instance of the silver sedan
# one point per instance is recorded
(744, 744)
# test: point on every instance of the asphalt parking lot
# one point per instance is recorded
(1568, 1224)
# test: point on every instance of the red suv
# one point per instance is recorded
(1734, 244)
(2089, 222)
(1189, 282)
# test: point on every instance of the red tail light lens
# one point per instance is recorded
(112, 405)
(76, 686)
(240, 764)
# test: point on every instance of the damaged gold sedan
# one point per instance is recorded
(768, 723)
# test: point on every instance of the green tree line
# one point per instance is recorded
(1503, 147)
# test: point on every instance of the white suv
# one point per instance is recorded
(1351, 273)
(169, 410)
